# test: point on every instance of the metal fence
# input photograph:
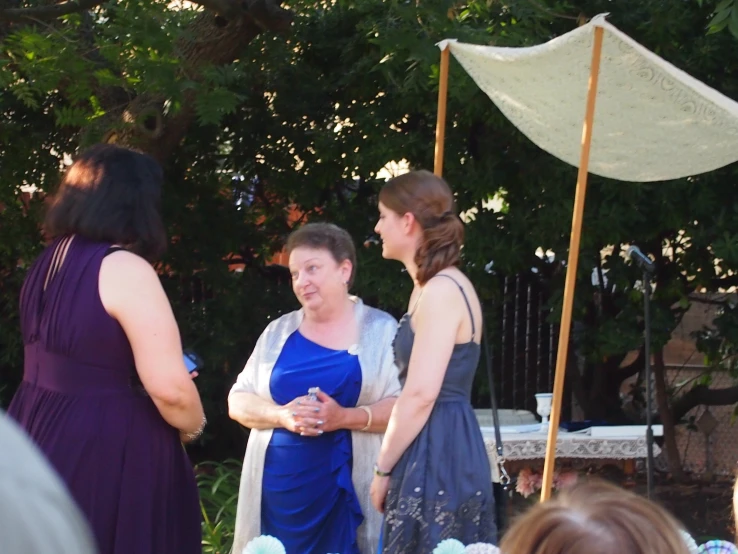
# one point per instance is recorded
(522, 343)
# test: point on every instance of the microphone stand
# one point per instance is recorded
(649, 394)
(635, 254)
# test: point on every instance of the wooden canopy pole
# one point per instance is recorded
(571, 268)
(441, 121)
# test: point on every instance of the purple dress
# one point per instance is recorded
(122, 463)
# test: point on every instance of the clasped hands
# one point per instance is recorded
(312, 418)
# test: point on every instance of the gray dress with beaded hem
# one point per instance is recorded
(441, 487)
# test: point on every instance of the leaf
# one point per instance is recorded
(733, 25)
(719, 18)
(25, 94)
(719, 27)
(106, 77)
(212, 105)
(71, 116)
(7, 76)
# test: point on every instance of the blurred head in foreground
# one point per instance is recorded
(595, 517)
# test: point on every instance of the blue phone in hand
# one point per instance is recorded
(192, 361)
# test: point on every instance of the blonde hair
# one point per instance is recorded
(595, 517)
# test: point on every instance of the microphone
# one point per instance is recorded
(635, 254)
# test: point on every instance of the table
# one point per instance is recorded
(622, 449)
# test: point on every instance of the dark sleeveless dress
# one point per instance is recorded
(123, 464)
(441, 487)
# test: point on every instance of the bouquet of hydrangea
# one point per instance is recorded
(449, 546)
(718, 547)
(264, 544)
(452, 546)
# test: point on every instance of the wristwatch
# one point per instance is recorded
(379, 473)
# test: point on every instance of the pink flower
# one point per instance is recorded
(537, 481)
(527, 482)
(565, 480)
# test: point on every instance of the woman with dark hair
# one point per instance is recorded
(432, 477)
(105, 392)
(308, 463)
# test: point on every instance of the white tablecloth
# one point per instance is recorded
(532, 446)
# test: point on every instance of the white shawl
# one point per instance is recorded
(379, 380)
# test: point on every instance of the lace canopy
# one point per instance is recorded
(652, 121)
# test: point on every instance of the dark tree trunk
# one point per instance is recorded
(667, 420)
(215, 41)
(217, 37)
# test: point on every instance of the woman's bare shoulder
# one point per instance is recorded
(125, 277)
(127, 262)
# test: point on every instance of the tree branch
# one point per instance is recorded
(552, 13)
(623, 373)
(265, 13)
(667, 416)
(704, 300)
(726, 282)
(702, 395)
(48, 12)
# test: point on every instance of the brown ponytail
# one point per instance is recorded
(431, 201)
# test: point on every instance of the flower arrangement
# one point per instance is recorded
(718, 547)
(449, 546)
(452, 546)
(529, 481)
(690, 542)
(264, 544)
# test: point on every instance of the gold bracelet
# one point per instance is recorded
(379, 473)
(369, 414)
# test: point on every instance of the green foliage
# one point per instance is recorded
(725, 15)
(218, 484)
(213, 104)
(308, 120)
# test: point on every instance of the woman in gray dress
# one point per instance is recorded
(432, 476)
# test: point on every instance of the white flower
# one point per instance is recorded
(449, 546)
(264, 544)
(691, 545)
(481, 548)
(718, 547)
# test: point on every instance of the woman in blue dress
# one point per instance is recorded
(309, 458)
(432, 476)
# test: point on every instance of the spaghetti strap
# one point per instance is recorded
(444, 475)
(57, 260)
(468, 306)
